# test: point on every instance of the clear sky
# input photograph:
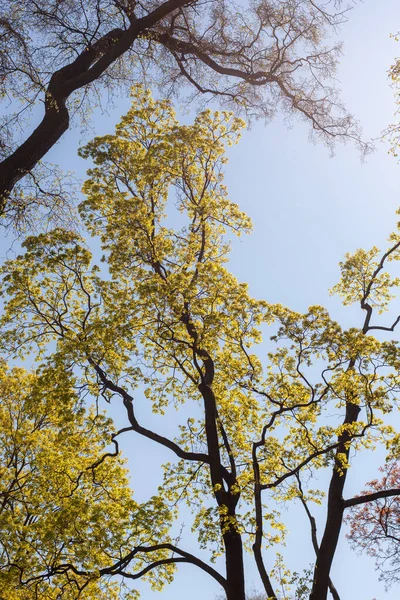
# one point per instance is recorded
(308, 210)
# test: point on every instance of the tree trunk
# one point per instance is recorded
(330, 538)
(334, 517)
(53, 125)
(235, 589)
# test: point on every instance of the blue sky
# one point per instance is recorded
(308, 210)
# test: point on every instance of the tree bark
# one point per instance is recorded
(53, 125)
(235, 588)
(334, 517)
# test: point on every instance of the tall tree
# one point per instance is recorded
(169, 323)
(253, 56)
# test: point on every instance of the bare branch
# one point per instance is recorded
(371, 497)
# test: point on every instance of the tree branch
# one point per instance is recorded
(185, 556)
(371, 497)
(365, 305)
(86, 68)
(128, 403)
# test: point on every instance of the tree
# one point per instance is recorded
(167, 323)
(375, 526)
(392, 133)
(66, 511)
(66, 53)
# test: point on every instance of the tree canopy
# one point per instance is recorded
(163, 321)
(68, 55)
(374, 526)
(67, 512)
